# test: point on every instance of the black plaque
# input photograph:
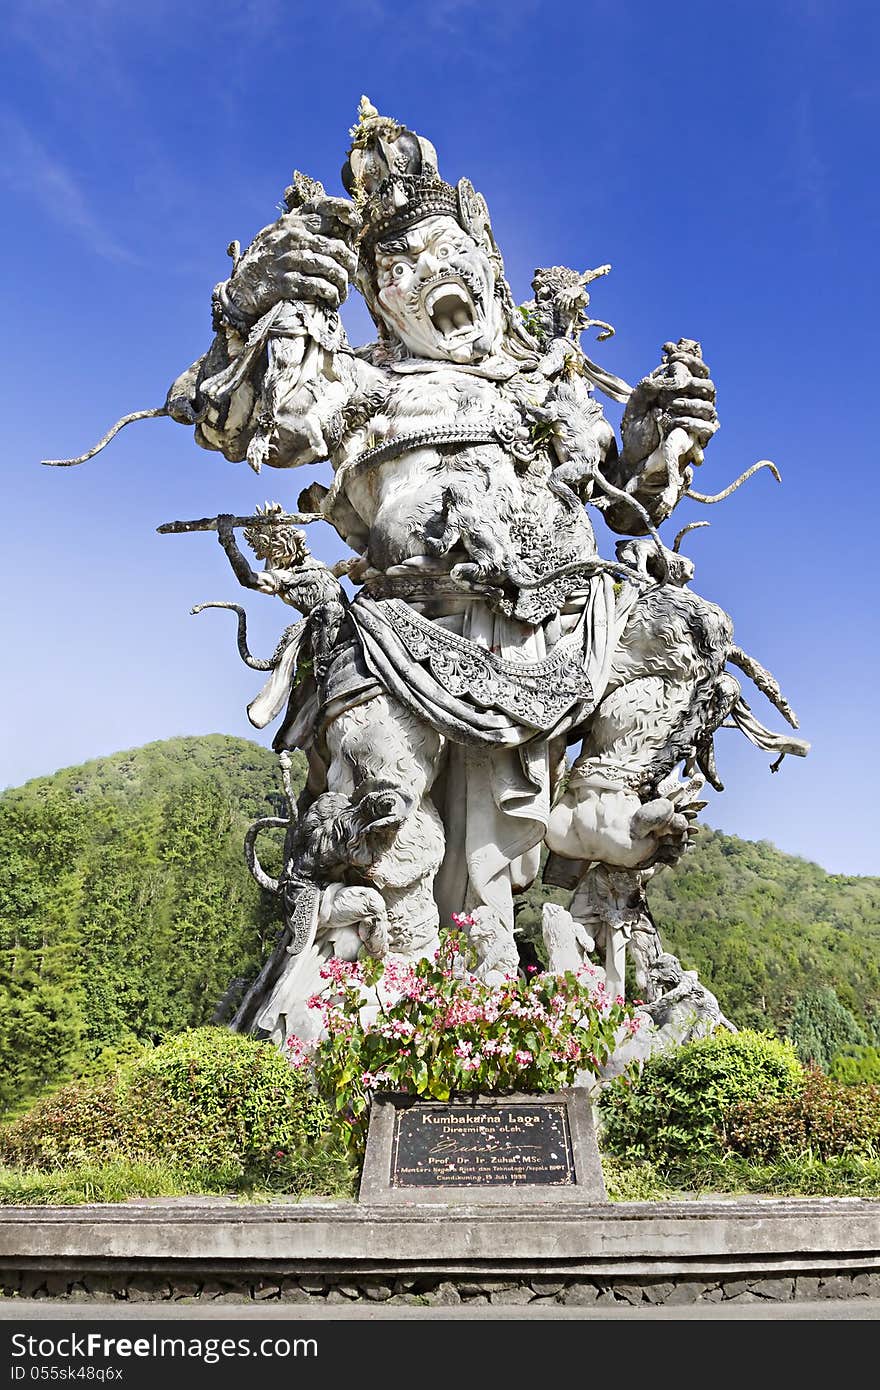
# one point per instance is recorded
(475, 1146)
(483, 1149)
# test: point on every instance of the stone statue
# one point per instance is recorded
(484, 634)
(493, 941)
(682, 1008)
(566, 943)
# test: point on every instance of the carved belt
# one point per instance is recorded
(419, 587)
(489, 431)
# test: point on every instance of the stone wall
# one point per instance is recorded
(428, 1291)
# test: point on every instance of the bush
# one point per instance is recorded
(856, 1065)
(827, 1119)
(80, 1122)
(207, 1101)
(678, 1106)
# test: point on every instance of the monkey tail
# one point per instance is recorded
(105, 440)
(254, 662)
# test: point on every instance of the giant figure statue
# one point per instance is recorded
(486, 636)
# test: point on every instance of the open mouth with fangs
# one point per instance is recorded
(450, 307)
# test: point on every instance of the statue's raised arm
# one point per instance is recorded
(279, 371)
(667, 423)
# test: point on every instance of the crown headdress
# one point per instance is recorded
(392, 175)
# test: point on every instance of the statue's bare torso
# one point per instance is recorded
(455, 501)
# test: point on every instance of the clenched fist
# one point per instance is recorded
(678, 394)
(306, 255)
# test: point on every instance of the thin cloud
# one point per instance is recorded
(809, 172)
(33, 172)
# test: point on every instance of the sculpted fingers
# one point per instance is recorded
(303, 261)
(700, 431)
(292, 260)
(339, 210)
(291, 285)
(691, 405)
(332, 248)
(697, 417)
(677, 378)
(291, 233)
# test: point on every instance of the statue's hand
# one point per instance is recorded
(678, 394)
(305, 255)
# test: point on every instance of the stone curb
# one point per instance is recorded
(671, 1253)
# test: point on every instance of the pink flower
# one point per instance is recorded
(523, 1057)
(462, 919)
(299, 1052)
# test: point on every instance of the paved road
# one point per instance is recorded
(824, 1310)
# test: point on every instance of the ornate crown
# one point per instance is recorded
(391, 173)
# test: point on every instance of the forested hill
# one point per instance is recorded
(764, 927)
(125, 905)
(126, 909)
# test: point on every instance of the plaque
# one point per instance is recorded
(460, 1146)
(482, 1149)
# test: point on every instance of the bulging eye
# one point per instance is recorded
(442, 253)
(398, 270)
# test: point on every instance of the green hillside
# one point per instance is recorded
(125, 906)
(765, 927)
(126, 909)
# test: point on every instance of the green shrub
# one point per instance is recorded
(207, 1101)
(222, 1099)
(80, 1122)
(826, 1118)
(856, 1065)
(678, 1106)
(636, 1182)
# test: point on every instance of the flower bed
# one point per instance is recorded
(433, 1029)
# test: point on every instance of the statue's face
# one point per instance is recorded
(436, 291)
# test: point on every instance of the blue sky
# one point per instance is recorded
(722, 158)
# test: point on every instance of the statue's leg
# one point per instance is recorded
(381, 741)
(623, 805)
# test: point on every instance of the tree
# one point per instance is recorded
(821, 1027)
